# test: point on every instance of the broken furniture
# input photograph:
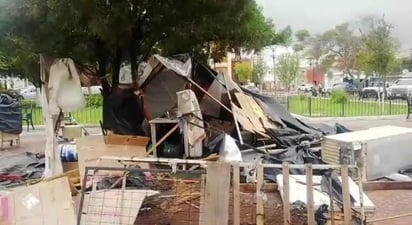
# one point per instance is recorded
(27, 112)
(11, 139)
(153, 125)
(386, 145)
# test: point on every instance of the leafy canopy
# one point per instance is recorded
(101, 34)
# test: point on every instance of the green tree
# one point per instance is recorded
(243, 71)
(259, 69)
(101, 34)
(288, 69)
(379, 48)
(343, 45)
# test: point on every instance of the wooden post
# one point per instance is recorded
(236, 194)
(286, 205)
(309, 194)
(216, 208)
(260, 211)
(347, 207)
(202, 199)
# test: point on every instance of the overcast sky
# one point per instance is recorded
(320, 15)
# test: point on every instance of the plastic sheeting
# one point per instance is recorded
(10, 115)
(65, 90)
(227, 148)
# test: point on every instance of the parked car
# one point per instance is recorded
(305, 87)
(29, 93)
(400, 89)
(374, 90)
(348, 88)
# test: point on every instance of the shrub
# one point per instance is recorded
(339, 97)
(94, 101)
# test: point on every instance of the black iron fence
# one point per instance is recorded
(352, 107)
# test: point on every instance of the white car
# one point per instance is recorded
(305, 87)
(29, 93)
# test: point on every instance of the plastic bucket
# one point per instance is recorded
(68, 153)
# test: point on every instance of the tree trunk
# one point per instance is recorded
(53, 165)
(117, 61)
(102, 60)
(133, 55)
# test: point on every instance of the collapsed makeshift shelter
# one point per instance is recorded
(217, 106)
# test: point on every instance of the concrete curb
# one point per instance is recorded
(393, 117)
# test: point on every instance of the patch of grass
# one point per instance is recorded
(89, 115)
(325, 107)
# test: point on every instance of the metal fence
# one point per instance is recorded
(298, 104)
(89, 115)
(352, 107)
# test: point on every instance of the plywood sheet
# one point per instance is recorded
(253, 110)
(216, 199)
(113, 206)
(46, 203)
(298, 192)
(243, 119)
(91, 148)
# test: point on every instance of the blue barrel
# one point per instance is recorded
(68, 153)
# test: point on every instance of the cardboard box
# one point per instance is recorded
(69, 166)
(91, 148)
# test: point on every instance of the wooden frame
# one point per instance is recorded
(260, 187)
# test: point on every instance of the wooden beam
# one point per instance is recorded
(347, 206)
(286, 192)
(251, 188)
(387, 185)
(309, 194)
(211, 96)
(260, 211)
(236, 193)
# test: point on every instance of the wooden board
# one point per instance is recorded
(387, 185)
(113, 206)
(298, 192)
(46, 203)
(216, 207)
(243, 119)
(91, 148)
(115, 139)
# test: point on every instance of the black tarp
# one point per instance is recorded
(122, 113)
(10, 115)
(276, 111)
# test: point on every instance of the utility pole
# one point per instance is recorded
(274, 67)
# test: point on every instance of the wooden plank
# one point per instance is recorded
(286, 204)
(202, 199)
(236, 194)
(115, 139)
(245, 104)
(387, 185)
(347, 207)
(243, 119)
(251, 188)
(259, 196)
(309, 194)
(217, 194)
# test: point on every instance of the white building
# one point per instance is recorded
(271, 55)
